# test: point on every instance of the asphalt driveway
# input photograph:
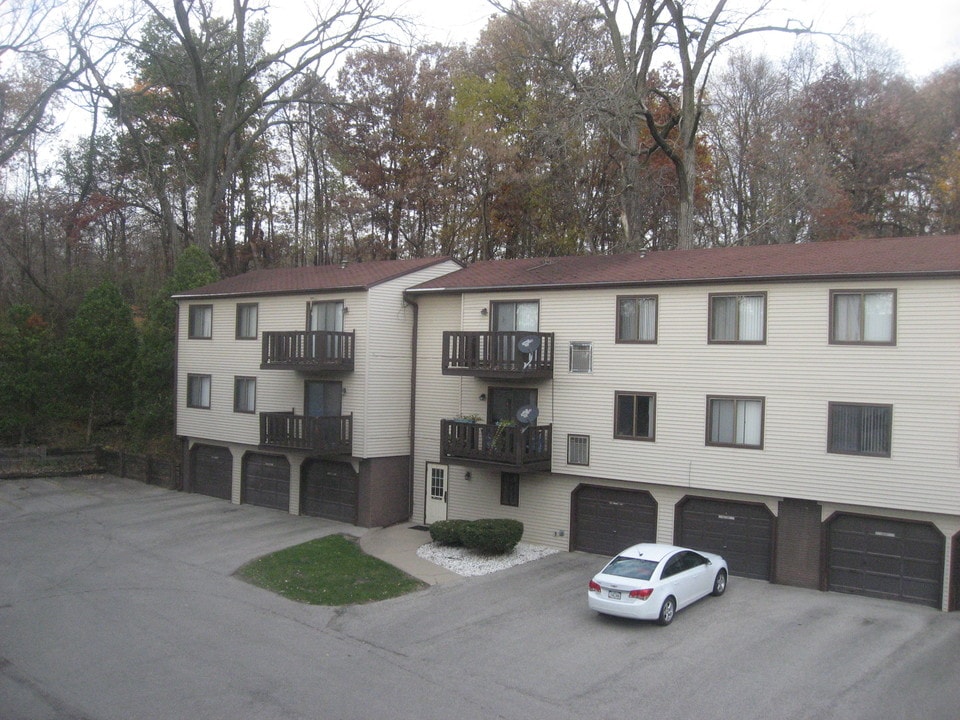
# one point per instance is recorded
(117, 601)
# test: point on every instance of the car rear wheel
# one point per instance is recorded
(719, 583)
(667, 611)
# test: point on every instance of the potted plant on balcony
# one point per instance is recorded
(501, 434)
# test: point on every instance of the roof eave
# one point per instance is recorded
(726, 280)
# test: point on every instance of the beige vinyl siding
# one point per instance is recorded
(438, 396)
(377, 392)
(224, 357)
(386, 382)
(796, 371)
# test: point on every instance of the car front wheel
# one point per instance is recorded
(719, 583)
(667, 611)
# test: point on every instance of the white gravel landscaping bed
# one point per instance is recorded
(469, 563)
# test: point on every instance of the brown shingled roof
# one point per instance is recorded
(282, 281)
(882, 257)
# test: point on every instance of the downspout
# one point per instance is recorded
(182, 442)
(413, 400)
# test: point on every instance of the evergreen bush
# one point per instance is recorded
(447, 532)
(492, 536)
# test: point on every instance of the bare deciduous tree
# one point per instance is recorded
(37, 67)
(217, 76)
(642, 34)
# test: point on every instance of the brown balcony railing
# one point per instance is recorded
(318, 435)
(308, 350)
(510, 447)
(498, 354)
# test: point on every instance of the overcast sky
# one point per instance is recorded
(927, 36)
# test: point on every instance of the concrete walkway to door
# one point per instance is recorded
(398, 546)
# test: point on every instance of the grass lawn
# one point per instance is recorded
(332, 570)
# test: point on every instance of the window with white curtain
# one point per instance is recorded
(735, 421)
(637, 319)
(860, 429)
(738, 318)
(200, 323)
(326, 316)
(247, 321)
(518, 316)
(244, 394)
(863, 317)
(198, 391)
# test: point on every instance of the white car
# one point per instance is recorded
(653, 581)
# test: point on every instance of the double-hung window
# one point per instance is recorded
(735, 421)
(738, 318)
(637, 319)
(198, 391)
(200, 325)
(860, 429)
(634, 416)
(863, 317)
(247, 321)
(244, 394)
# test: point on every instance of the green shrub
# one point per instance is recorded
(492, 537)
(447, 532)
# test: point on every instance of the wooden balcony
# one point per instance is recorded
(497, 354)
(511, 448)
(308, 351)
(316, 435)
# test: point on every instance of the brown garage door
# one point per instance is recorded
(741, 532)
(266, 481)
(607, 520)
(211, 471)
(886, 558)
(955, 574)
(329, 490)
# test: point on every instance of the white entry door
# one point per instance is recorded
(436, 508)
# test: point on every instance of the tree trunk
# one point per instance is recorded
(686, 211)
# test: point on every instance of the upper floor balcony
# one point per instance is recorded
(316, 435)
(308, 351)
(505, 355)
(509, 447)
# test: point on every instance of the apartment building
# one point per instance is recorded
(294, 388)
(795, 408)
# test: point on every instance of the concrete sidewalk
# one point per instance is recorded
(398, 545)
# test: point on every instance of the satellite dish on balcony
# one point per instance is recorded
(528, 344)
(527, 414)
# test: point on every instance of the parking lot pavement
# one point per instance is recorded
(117, 600)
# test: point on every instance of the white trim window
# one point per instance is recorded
(581, 357)
(578, 449)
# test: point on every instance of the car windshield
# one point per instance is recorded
(635, 568)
